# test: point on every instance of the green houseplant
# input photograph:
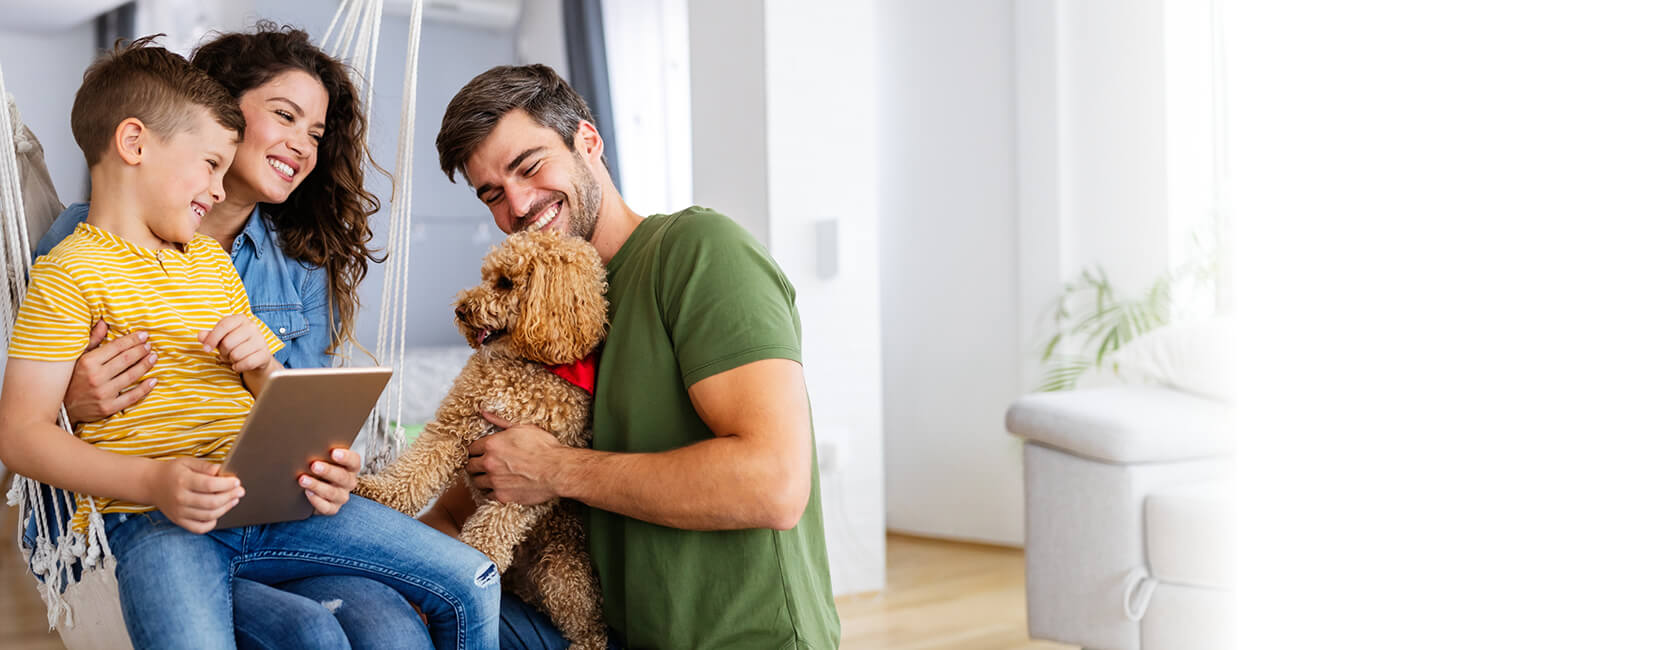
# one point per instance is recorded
(1091, 321)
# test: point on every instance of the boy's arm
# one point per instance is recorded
(187, 490)
(244, 343)
(32, 444)
(241, 338)
(256, 380)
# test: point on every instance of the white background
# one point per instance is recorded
(1457, 279)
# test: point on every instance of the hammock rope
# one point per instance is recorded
(352, 37)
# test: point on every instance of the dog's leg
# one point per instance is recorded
(495, 528)
(420, 474)
(565, 576)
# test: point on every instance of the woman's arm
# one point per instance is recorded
(309, 350)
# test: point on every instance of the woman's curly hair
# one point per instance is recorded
(325, 220)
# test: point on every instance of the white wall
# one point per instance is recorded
(726, 68)
(772, 130)
(820, 171)
(43, 70)
(1023, 141)
(1114, 180)
(948, 266)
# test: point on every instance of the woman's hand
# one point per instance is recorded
(103, 380)
(328, 483)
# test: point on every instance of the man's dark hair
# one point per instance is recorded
(148, 83)
(482, 103)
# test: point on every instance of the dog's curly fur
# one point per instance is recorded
(541, 302)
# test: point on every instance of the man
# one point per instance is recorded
(706, 520)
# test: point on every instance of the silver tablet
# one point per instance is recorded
(301, 415)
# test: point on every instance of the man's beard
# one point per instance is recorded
(586, 207)
(585, 202)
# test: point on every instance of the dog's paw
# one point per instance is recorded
(501, 554)
(372, 487)
(385, 491)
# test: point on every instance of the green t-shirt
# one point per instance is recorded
(691, 295)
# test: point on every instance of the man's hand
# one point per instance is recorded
(102, 382)
(517, 465)
(237, 342)
(328, 484)
(190, 493)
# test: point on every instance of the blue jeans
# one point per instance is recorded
(177, 587)
(293, 614)
(324, 612)
(527, 628)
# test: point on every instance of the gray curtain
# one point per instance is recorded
(112, 25)
(586, 58)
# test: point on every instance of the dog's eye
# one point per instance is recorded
(504, 283)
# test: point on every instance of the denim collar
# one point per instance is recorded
(256, 233)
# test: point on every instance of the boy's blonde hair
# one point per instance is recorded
(148, 83)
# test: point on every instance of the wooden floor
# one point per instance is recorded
(939, 595)
(23, 618)
(943, 595)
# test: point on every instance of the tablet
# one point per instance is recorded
(301, 414)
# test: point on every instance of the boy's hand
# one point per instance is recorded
(191, 494)
(238, 342)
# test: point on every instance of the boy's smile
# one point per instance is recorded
(183, 177)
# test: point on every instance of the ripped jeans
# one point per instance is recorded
(176, 586)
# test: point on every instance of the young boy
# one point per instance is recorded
(158, 135)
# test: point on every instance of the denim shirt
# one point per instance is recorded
(287, 295)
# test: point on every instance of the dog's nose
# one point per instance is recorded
(461, 314)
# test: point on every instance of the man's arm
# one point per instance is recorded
(756, 472)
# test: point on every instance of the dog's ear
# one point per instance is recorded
(563, 310)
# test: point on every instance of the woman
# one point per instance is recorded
(295, 221)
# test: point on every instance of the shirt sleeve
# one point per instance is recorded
(55, 316)
(725, 301)
(309, 349)
(240, 303)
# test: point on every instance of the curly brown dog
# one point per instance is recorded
(540, 306)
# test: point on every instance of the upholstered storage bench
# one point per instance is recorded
(1127, 525)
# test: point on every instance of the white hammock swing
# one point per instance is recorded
(76, 572)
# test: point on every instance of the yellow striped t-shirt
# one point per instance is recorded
(199, 403)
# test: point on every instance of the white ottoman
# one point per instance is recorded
(1125, 525)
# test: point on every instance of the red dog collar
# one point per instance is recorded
(580, 373)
